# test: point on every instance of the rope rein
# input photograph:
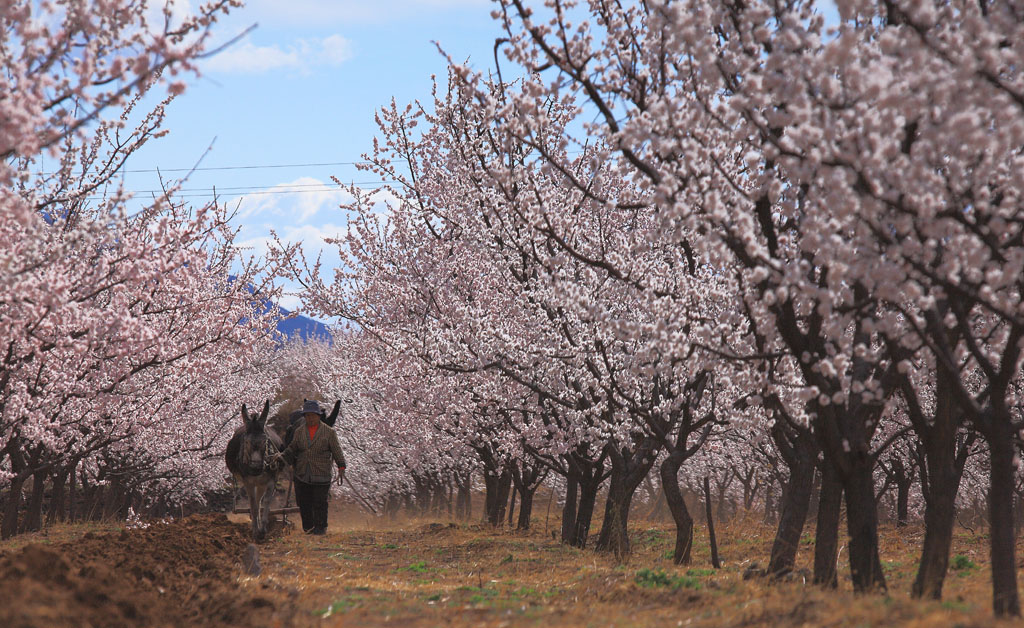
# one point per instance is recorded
(270, 450)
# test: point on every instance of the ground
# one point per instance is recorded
(368, 572)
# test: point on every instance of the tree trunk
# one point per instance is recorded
(393, 506)
(569, 509)
(903, 502)
(463, 499)
(816, 495)
(525, 508)
(769, 501)
(1018, 515)
(658, 507)
(1005, 600)
(614, 534)
(585, 512)
(711, 524)
(72, 491)
(490, 493)
(56, 512)
(34, 514)
(796, 500)
(677, 506)
(939, 516)
(93, 500)
(628, 471)
(940, 469)
(862, 526)
(511, 506)
(12, 506)
(113, 500)
(826, 535)
(503, 483)
(723, 512)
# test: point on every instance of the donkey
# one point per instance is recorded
(253, 459)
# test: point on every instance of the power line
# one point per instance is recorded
(257, 167)
(268, 166)
(259, 192)
(282, 187)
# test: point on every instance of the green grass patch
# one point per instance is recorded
(522, 592)
(656, 578)
(344, 556)
(479, 595)
(962, 563)
(651, 538)
(700, 573)
(337, 606)
(417, 567)
(955, 605)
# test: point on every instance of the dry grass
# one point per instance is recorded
(58, 533)
(429, 573)
(368, 572)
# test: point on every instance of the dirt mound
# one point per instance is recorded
(164, 575)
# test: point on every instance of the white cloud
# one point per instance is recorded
(300, 201)
(301, 55)
(289, 300)
(305, 211)
(170, 13)
(321, 12)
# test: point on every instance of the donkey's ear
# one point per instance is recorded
(333, 417)
(263, 415)
(246, 420)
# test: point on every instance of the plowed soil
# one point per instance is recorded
(176, 574)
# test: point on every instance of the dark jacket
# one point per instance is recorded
(312, 460)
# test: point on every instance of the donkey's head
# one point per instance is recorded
(256, 444)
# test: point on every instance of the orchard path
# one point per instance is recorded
(369, 572)
(432, 573)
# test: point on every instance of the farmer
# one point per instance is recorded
(312, 450)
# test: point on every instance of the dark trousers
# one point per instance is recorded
(312, 501)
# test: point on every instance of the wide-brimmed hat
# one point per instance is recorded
(312, 406)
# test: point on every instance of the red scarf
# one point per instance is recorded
(312, 431)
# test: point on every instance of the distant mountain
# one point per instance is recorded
(299, 325)
(303, 327)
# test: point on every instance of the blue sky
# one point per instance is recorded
(303, 88)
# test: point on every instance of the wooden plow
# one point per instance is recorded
(273, 511)
(287, 510)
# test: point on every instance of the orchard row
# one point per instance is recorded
(686, 236)
(655, 243)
